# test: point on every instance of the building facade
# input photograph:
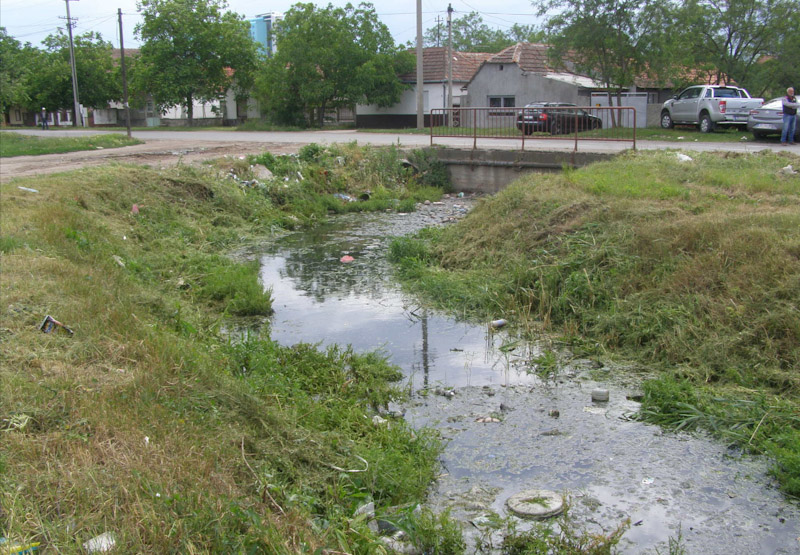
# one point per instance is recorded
(262, 30)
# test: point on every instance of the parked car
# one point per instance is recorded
(555, 118)
(708, 106)
(768, 120)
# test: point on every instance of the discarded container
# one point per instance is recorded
(497, 324)
(50, 323)
(28, 189)
(535, 503)
(100, 544)
(599, 395)
(135, 209)
(9, 548)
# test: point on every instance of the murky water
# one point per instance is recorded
(550, 435)
(319, 299)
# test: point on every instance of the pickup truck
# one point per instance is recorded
(708, 106)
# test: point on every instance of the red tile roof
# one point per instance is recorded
(434, 66)
(116, 53)
(528, 56)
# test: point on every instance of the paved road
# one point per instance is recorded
(409, 140)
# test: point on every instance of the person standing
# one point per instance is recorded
(43, 115)
(790, 106)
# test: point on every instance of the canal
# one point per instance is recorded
(508, 427)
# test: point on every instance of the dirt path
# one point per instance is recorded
(153, 153)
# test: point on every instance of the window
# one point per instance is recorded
(501, 102)
(688, 94)
(726, 93)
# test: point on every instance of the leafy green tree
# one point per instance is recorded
(732, 39)
(192, 50)
(470, 34)
(525, 33)
(14, 71)
(613, 41)
(49, 83)
(330, 57)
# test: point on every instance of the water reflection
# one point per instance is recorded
(319, 299)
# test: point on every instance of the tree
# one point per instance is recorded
(191, 50)
(525, 33)
(14, 71)
(612, 41)
(470, 34)
(732, 38)
(50, 80)
(330, 57)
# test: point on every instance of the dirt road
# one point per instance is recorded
(162, 152)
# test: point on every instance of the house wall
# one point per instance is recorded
(16, 116)
(508, 80)
(203, 113)
(402, 114)
(105, 117)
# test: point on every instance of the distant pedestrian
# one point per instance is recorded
(790, 106)
(43, 115)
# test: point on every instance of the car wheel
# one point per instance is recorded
(758, 135)
(556, 128)
(666, 121)
(706, 125)
(596, 124)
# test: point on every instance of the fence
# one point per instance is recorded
(571, 123)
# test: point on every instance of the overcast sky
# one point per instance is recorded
(32, 20)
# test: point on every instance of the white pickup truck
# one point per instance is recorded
(708, 106)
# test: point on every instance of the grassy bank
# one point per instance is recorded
(146, 421)
(14, 144)
(691, 268)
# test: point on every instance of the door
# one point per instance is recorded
(685, 106)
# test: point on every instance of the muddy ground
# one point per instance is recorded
(159, 153)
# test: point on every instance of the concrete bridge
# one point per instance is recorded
(490, 170)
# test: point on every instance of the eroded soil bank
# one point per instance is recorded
(545, 434)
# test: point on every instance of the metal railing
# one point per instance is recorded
(572, 123)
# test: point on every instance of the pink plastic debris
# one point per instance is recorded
(346, 259)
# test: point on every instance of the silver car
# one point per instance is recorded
(768, 120)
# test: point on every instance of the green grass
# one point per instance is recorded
(689, 268)
(689, 134)
(154, 424)
(677, 135)
(14, 144)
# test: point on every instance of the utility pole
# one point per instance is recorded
(124, 75)
(420, 84)
(76, 106)
(450, 61)
(438, 31)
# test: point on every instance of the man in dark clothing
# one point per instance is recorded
(43, 116)
(790, 106)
